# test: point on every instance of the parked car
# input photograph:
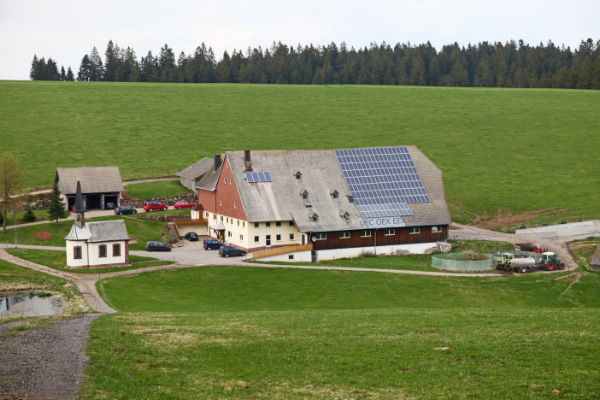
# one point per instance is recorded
(210, 244)
(227, 251)
(125, 210)
(155, 206)
(109, 206)
(183, 204)
(191, 236)
(157, 246)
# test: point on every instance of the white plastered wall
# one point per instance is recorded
(109, 259)
(71, 261)
(323, 255)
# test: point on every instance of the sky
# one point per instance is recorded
(66, 30)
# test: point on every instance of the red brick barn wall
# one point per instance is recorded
(207, 199)
(228, 201)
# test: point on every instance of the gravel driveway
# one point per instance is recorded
(46, 362)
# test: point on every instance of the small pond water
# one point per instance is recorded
(28, 304)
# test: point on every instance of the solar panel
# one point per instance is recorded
(254, 177)
(382, 180)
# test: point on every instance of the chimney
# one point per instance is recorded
(217, 161)
(247, 161)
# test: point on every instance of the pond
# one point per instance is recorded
(29, 304)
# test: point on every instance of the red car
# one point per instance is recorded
(155, 206)
(183, 204)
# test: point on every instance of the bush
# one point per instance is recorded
(29, 216)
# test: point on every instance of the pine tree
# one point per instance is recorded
(56, 210)
(63, 74)
(70, 77)
(33, 72)
(97, 69)
(85, 70)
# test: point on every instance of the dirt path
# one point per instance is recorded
(46, 362)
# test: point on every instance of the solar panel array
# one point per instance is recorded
(253, 177)
(382, 180)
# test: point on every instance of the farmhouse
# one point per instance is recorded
(102, 186)
(334, 202)
(96, 244)
(194, 173)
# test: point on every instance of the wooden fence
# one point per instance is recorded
(281, 250)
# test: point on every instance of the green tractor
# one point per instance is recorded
(550, 262)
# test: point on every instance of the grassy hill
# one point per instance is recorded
(501, 150)
(224, 332)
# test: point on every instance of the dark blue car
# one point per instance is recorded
(210, 244)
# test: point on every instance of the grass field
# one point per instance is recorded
(501, 151)
(223, 332)
(15, 277)
(148, 190)
(57, 259)
(139, 229)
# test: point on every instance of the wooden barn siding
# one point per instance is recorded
(402, 236)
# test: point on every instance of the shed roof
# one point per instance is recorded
(210, 179)
(93, 179)
(197, 170)
(100, 231)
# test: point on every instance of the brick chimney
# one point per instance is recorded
(247, 161)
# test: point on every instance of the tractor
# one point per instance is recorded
(550, 262)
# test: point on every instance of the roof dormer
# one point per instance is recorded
(334, 194)
(314, 217)
(297, 174)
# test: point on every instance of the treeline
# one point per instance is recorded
(483, 65)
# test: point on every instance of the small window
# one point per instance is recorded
(227, 219)
(344, 235)
(320, 236)
(291, 257)
(267, 224)
(225, 181)
(102, 251)
(278, 238)
(335, 194)
(256, 239)
(415, 231)
(229, 234)
(257, 224)
(278, 223)
(221, 218)
(241, 238)
(298, 174)
(230, 181)
(291, 223)
(304, 194)
(350, 199)
(389, 232)
(206, 214)
(243, 224)
(214, 216)
(234, 204)
(221, 203)
(238, 223)
(116, 250)
(292, 236)
(436, 229)
(365, 234)
(77, 252)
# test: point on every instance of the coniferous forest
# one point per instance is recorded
(513, 64)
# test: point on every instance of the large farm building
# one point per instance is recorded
(335, 202)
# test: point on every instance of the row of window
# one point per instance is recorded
(102, 251)
(368, 233)
(278, 238)
(229, 220)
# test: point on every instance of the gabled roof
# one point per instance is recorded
(281, 199)
(197, 170)
(93, 179)
(100, 231)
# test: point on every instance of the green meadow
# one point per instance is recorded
(502, 151)
(252, 333)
